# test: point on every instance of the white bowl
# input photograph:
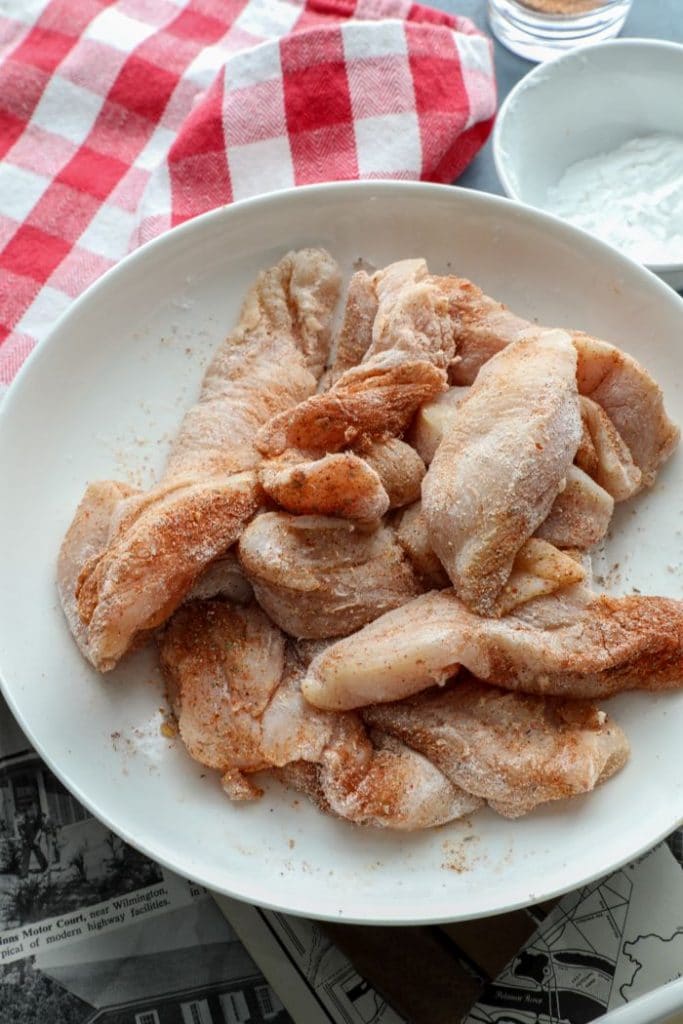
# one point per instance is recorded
(100, 399)
(587, 102)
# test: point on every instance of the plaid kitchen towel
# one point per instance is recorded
(119, 120)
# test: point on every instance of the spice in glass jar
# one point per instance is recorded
(540, 29)
(561, 6)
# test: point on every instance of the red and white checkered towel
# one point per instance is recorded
(120, 119)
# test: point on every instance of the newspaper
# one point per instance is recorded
(91, 930)
(292, 949)
(599, 948)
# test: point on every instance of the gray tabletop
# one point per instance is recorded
(651, 19)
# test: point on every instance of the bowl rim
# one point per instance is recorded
(536, 78)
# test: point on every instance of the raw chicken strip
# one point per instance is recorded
(234, 688)
(368, 780)
(355, 334)
(382, 782)
(400, 469)
(616, 381)
(498, 470)
(413, 536)
(165, 538)
(342, 484)
(614, 468)
(289, 731)
(390, 285)
(582, 511)
(414, 315)
(371, 401)
(236, 696)
(396, 656)
(223, 578)
(586, 457)
(222, 665)
(581, 514)
(433, 420)
(572, 644)
(514, 751)
(426, 797)
(412, 347)
(86, 539)
(148, 568)
(538, 569)
(319, 577)
(601, 455)
(483, 327)
(632, 400)
(269, 362)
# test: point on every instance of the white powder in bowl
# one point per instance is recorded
(632, 197)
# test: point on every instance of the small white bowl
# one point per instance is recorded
(586, 102)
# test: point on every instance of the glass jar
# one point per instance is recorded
(540, 29)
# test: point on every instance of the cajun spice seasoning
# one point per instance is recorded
(561, 6)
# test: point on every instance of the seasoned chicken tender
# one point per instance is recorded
(367, 779)
(355, 334)
(400, 469)
(483, 327)
(388, 474)
(292, 730)
(580, 515)
(582, 511)
(222, 664)
(382, 782)
(341, 484)
(149, 566)
(319, 577)
(413, 536)
(632, 400)
(405, 365)
(414, 314)
(233, 683)
(403, 652)
(613, 469)
(513, 751)
(164, 539)
(86, 539)
(625, 410)
(372, 401)
(539, 568)
(235, 689)
(571, 644)
(502, 463)
(223, 578)
(433, 420)
(270, 361)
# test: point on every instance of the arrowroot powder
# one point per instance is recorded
(632, 197)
